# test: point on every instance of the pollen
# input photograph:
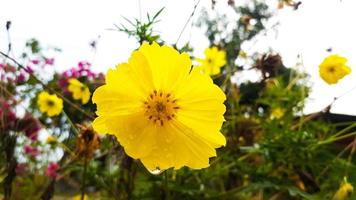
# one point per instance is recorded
(160, 107)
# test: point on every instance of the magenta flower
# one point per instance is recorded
(35, 62)
(84, 65)
(30, 126)
(9, 79)
(21, 78)
(31, 151)
(11, 116)
(52, 169)
(29, 69)
(49, 61)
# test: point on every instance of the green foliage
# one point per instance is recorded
(142, 31)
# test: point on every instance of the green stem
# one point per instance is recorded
(84, 178)
(71, 123)
(166, 189)
(344, 130)
(334, 139)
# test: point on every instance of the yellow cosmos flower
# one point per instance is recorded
(51, 139)
(213, 61)
(79, 197)
(333, 68)
(79, 90)
(277, 113)
(344, 192)
(49, 104)
(161, 110)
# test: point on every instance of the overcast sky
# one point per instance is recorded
(72, 24)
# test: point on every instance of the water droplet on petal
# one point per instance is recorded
(156, 171)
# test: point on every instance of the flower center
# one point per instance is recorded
(82, 88)
(331, 69)
(160, 107)
(50, 103)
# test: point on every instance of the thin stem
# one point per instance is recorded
(349, 159)
(186, 23)
(332, 139)
(61, 144)
(166, 189)
(71, 123)
(84, 178)
(344, 130)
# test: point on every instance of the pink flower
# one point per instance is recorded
(52, 169)
(31, 151)
(29, 69)
(21, 78)
(11, 116)
(9, 79)
(9, 68)
(49, 61)
(30, 126)
(63, 83)
(84, 65)
(35, 62)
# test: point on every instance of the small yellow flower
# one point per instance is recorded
(161, 110)
(51, 140)
(333, 68)
(213, 61)
(79, 197)
(50, 104)
(277, 113)
(79, 90)
(344, 191)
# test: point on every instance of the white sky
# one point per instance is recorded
(72, 24)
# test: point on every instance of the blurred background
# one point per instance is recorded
(301, 35)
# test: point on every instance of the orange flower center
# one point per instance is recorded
(331, 69)
(160, 107)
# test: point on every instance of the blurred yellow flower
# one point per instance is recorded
(51, 139)
(333, 68)
(277, 113)
(344, 191)
(79, 90)
(161, 110)
(49, 104)
(79, 197)
(213, 61)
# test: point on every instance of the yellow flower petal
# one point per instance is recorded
(161, 111)
(213, 61)
(49, 104)
(333, 68)
(79, 90)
